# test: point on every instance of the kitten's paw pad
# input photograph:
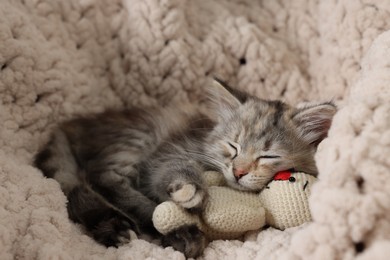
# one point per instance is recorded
(114, 232)
(187, 195)
(187, 239)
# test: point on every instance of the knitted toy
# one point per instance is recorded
(230, 213)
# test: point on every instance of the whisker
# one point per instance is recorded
(207, 158)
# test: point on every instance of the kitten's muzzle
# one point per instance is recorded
(239, 173)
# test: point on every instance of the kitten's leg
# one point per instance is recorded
(112, 209)
(113, 175)
(188, 193)
(179, 179)
(108, 225)
(116, 183)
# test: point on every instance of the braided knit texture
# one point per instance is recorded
(60, 59)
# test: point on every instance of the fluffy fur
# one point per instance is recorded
(115, 167)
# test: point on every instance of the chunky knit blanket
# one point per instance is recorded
(60, 59)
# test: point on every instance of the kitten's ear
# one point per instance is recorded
(223, 97)
(313, 121)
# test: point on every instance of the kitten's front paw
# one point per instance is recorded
(187, 195)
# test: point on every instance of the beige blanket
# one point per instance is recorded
(59, 59)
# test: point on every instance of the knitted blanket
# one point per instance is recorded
(60, 59)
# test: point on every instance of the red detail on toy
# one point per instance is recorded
(282, 176)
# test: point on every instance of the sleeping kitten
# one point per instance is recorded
(116, 167)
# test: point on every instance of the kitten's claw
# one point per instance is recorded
(187, 195)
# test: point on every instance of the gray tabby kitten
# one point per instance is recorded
(116, 167)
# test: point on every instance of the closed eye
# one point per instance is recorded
(268, 157)
(235, 148)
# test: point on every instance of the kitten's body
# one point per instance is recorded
(117, 166)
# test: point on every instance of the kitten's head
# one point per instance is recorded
(254, 139)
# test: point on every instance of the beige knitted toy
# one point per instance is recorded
(230, 213)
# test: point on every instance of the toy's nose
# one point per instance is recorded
(239, 173)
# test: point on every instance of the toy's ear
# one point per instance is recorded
(313, 121)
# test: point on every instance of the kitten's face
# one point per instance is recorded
(255, 139)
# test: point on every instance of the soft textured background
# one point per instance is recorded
(59, 59)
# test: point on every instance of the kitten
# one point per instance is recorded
(116, 167)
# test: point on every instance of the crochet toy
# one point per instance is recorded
(231, 213)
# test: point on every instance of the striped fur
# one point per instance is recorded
(116, 167)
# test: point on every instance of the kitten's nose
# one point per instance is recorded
(239, 173)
